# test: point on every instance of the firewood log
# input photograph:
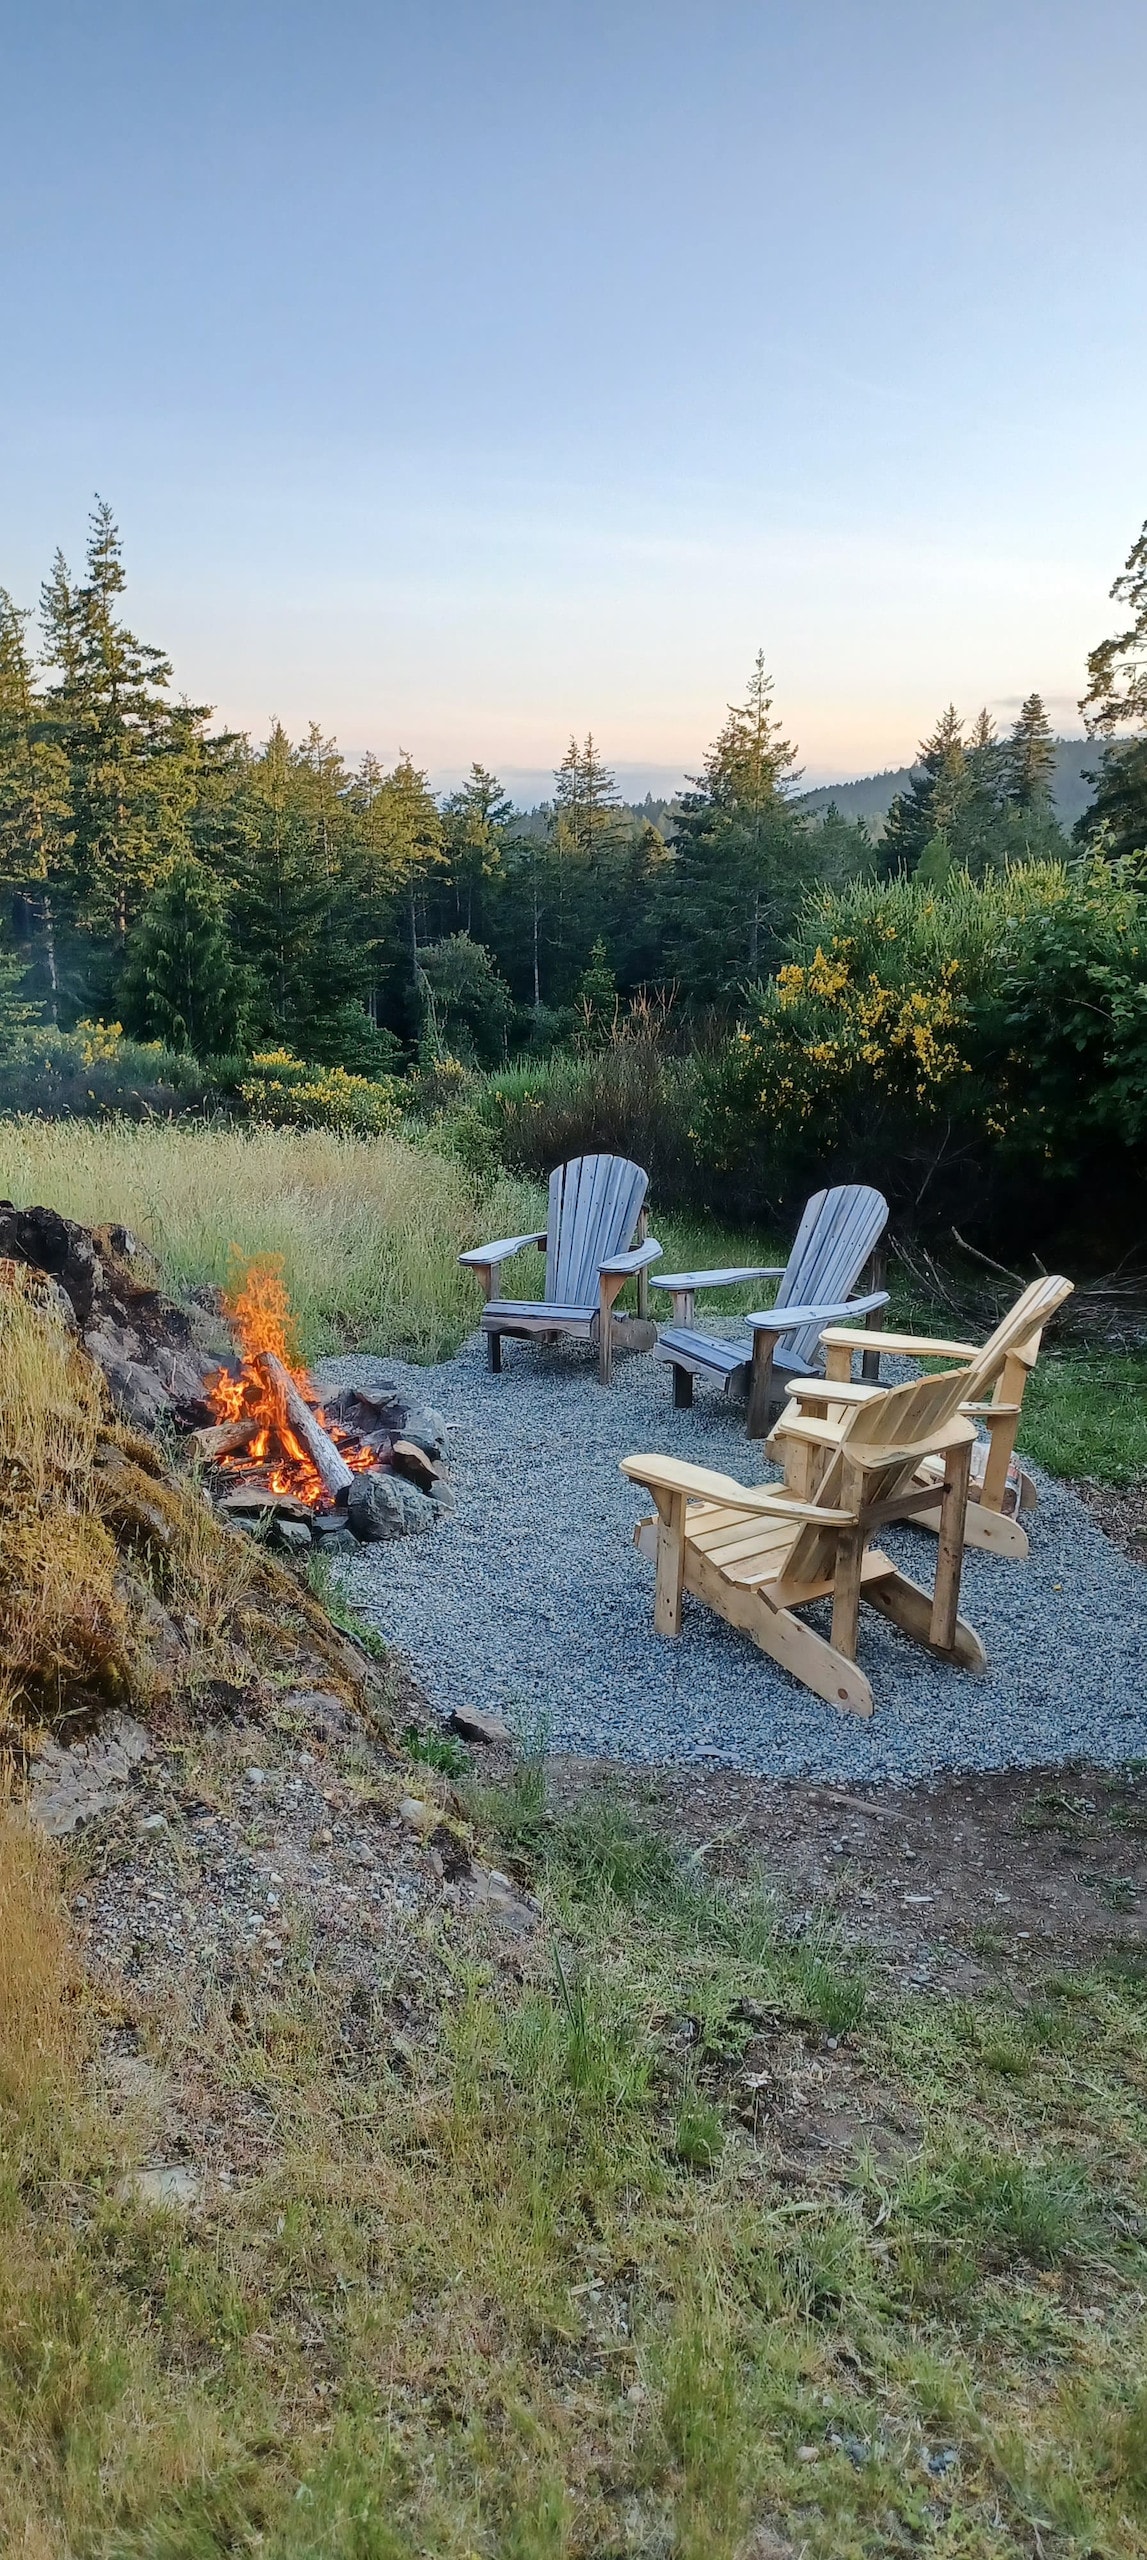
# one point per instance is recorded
(223, 1439)
(337, 1477)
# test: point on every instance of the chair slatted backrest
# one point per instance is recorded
(595, 1203)
(833, 1242)
(1017, 1334)
(895, 1422)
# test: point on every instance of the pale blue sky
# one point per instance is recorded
(467, 371)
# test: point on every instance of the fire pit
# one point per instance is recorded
(359, 1465)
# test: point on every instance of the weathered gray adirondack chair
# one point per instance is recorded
(597, 1206)
(837, 1235)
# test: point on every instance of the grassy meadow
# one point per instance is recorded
(369, 1231)
(544, 2289)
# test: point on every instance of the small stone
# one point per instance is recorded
(417, 1814)
(293, 1534)
(320, 1709)
(476, 1727)
(807, 2453)
(153, 1822)
(169, 2187)
(255, 1777)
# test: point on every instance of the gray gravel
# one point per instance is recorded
(532, 1602)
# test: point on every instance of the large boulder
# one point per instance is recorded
(385, 1506)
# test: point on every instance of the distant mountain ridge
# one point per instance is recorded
(872, 795)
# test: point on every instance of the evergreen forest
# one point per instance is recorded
(272, 923)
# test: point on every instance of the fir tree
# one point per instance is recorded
(742, 857)
(184, 984)
(475, 827)
(296, 926)
(1028, 760)
(113, 722)
(912, 819)
(1115, 702)
(35, 809)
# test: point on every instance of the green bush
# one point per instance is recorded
(93, 1071)
(969, 1044)
(288, 1093)
(627, 1099)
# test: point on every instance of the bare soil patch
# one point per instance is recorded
(1121, 1511)
(948, 1882)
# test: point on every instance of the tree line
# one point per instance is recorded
(215, 895)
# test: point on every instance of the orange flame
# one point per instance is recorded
(257, 1304)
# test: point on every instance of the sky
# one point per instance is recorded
(464, 374)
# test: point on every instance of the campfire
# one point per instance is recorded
(273, 1447)
(269, 1427)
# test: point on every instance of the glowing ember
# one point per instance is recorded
(268, 1453)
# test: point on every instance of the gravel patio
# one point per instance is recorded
(531, 1602)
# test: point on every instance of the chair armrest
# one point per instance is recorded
(688, 1281)
(837, 1391)
(621, 1265)
(919, 1346)
(488, 1256)
(673, 1475)
(782, 1320)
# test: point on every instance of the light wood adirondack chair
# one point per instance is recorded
(597, 1205)
(756, 1554)
(994, 1377)
(837, 1235)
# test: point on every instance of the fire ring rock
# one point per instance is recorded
(426, 1427)
(385, 1506)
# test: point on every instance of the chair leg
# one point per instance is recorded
(950, 1556)
(670, 1564)
(682, 1388)
(609, 1288)
(1002, 1437)
(760, 1384)
(849, 1560)
(494, 1352)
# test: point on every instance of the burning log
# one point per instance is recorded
(337, 1477)
(224, 1439)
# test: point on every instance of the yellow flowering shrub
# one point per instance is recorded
(292, 1094)
(100, 1042)
(826, 1031)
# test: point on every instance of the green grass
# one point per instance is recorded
(574, 2283)
(1085, 1414)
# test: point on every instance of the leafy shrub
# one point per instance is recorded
(92, 1071)
(288, 1093)
(628, 1099)
(468, 1004)
(967, 1044)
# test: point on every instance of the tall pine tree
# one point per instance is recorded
(742, 856)
(1114, 707)
(1028, 760)
(35, 807)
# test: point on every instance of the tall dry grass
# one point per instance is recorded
(369, 1229)
(62, 1616)
(37, 1970)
